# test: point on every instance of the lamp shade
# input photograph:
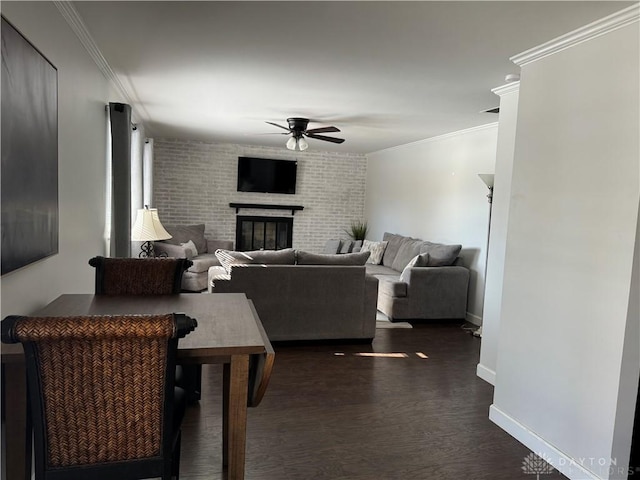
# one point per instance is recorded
(148, 227)
(487, 178)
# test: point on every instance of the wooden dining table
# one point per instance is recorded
(229, 332)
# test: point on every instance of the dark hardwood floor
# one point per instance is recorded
(330, 417)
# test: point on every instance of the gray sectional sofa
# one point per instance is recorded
(303, 296)
(195, 278)
(420, 279)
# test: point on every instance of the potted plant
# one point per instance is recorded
(357, 230)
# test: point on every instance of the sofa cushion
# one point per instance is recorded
(380, 270)
(393, 288)
(228, 258)
(332, 246)
(183, 233)
(346, 246)
(376, 249)
(190, 249)
(421, 260)
(306, 258)
(201, 263)
(409, 248)
(440, 255)
(393, 245)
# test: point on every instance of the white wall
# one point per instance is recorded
(82, 94)
(194, 182)
(431, 190)
(562, 386)
(498, 236)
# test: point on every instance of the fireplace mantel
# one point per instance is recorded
(266, 206)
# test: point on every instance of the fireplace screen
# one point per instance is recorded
(263, 233)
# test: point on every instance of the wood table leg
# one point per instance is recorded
(17, 447)
(226, 373)
(237, 415)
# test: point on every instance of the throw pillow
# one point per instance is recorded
(376, 249)
(190, 249)
(421, 260)
(184, 233)
(346, 246)
(440, 255)
(332, 246)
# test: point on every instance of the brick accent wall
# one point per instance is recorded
(194, 182)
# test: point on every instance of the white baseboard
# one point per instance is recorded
(572, 468)
(486, 374)
(475, 319)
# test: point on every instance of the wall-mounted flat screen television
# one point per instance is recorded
(266, 175)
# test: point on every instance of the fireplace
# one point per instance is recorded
(263, 233)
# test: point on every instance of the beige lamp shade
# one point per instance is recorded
(148, 227)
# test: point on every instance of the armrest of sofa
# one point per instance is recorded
(436, 278)
(218, 277)
(443, 289)
(174, 251)
(370, 305)
(213, 245)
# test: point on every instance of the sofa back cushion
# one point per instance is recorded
(440, 255)
(409, 248)
(228, 258)
(306, 258)
(183, 233)
(332, 246)
(393, 245)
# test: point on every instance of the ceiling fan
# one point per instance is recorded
(298, 130)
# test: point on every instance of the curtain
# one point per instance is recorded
(129, 179)
(147, 171)
(120, 146)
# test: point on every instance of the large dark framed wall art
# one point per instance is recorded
(29, 175)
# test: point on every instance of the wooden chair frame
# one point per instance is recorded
(162, 465)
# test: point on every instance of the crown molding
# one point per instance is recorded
(600, 27)
(506, 89)
(444, 136)
(73, 18)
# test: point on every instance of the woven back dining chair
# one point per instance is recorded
(148, 276)
(139, 276)
(102, 395)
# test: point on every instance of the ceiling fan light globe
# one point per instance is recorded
(291, 143)
(302, 144)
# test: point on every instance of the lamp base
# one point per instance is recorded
(146, 250)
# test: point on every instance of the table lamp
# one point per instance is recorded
(148, 229)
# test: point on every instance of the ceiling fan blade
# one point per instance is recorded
(269, 133)
(323, 130)
(325, 138)
(280, 126)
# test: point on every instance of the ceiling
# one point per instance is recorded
(385, 73)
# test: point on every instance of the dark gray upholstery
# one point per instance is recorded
(229, 258)
(424, 292)
(440, 255)
(408, 249)
(308, 302)
(332, 246)
(393, 245)
(306, 258)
